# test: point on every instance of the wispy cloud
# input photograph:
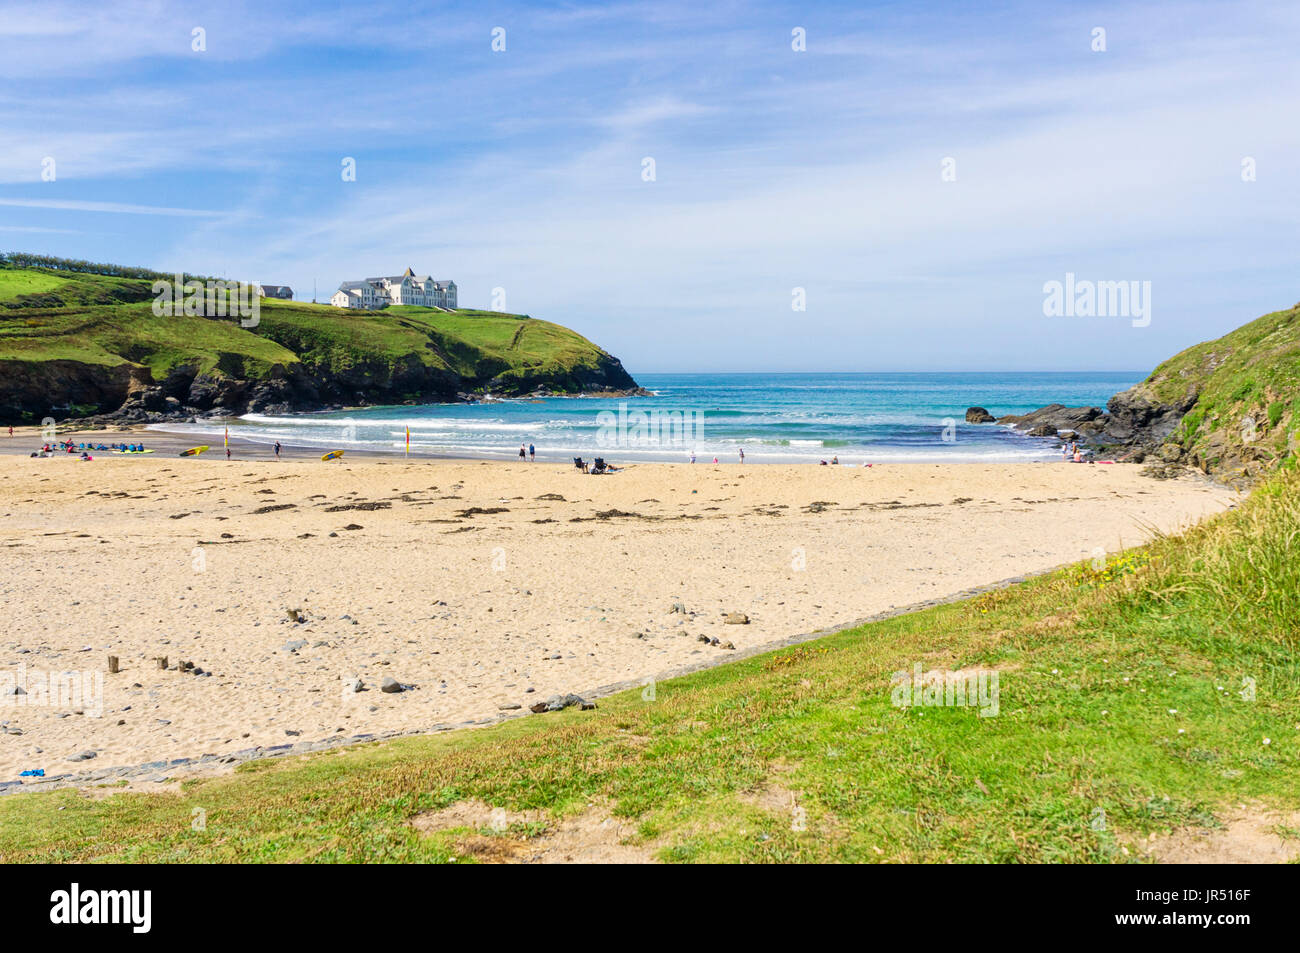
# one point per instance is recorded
(38, 230)
(119, 208)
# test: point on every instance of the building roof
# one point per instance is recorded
(379, 284)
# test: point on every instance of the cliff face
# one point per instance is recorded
(77, 350)
(31, 391)
(296, 389)
(1228, 407)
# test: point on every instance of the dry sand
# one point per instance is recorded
(474, 582)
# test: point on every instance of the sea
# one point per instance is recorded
(851, 418)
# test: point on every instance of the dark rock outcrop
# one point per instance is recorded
(1136, 419)
(1132, 423)
(32, 391)
(978, 415)
(1054, 416)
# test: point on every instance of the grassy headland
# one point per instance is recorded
(1247, 382)
(74, 344)
(1242, 398)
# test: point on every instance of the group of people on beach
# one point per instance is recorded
(528, 453)
(68, 446)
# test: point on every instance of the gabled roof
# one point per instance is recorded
(379, 284)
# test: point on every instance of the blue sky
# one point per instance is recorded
(775, 169)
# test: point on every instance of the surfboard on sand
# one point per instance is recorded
(333, 455)
(192, 451)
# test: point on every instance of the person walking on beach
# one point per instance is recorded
(227, 451)
(11, 430)
(277, 450)
(692, 456)
(532, 453)
(742, 454)
(523, 453)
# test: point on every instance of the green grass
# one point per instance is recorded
(108, 322)
(14, 283)
(22, 288)
(1099, 668)
(1246, 418)
(130, 333)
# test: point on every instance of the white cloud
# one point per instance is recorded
(118, 208)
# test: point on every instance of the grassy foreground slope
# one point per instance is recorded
(1148, 695)
(85, 343)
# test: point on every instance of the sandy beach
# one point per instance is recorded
(477, 585)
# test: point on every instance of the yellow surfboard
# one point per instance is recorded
(333, 455)
(192, 451)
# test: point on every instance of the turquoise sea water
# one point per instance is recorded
(775, 418)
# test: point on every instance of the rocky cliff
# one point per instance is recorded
(1228, 407)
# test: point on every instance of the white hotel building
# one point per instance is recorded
(406, 288)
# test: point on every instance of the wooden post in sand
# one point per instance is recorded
(112, 665)
(162, 661)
